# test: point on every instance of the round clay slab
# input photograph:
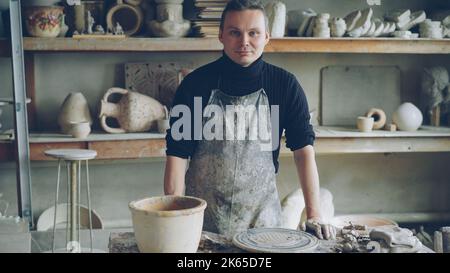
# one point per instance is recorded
(275, 240)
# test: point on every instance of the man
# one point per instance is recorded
(237, 177)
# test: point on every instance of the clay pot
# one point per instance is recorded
(129, 17)
(80, 129)
(43, 21)
(134, 112)
(74, 109)
(168, 224)
(407, 117)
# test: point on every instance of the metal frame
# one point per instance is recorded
(20, 115)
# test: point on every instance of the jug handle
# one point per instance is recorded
(110, 129)
(114, 90)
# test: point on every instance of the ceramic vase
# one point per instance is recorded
(134, 112)
(407, 117)
(75, 108)
(168, 224)
(43, 21)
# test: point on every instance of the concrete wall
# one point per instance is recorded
(362, 183)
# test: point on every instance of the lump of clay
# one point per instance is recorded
(395, 239)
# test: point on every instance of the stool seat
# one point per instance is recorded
(71, 154)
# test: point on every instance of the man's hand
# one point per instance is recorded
(321, 230)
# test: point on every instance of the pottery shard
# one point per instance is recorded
(351, 19)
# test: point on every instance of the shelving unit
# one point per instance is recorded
(329, 140)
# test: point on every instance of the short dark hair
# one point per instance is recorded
(241, 5)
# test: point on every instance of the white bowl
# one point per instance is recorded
(45, 220)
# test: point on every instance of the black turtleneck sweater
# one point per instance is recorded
(281, 87)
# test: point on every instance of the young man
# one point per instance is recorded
(237, 177)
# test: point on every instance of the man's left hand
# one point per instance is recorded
(321, 229)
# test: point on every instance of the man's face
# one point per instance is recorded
(244, 36)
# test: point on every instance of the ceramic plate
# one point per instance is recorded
(275, 240)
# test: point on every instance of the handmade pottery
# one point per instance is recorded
(338, 27)
(167, 224)
(74, 109)
(276, 13)
(364, 124)
(80, 129)
(379, 117)
(407, 117)
(169, 19)
(134, 112)
(129, 17)
(64, 27)
(43, 21)
(306, 20)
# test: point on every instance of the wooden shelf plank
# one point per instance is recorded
(329, 140)
(281, 45)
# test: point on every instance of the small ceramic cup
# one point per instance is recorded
(364, 124)
(79, 129)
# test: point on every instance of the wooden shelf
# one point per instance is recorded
(329, 140)
(282, 45)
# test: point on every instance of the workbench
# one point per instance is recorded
(125, 242)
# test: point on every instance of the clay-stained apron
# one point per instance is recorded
(235, 177)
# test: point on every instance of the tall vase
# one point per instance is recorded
(74, 109)
(134, 112)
